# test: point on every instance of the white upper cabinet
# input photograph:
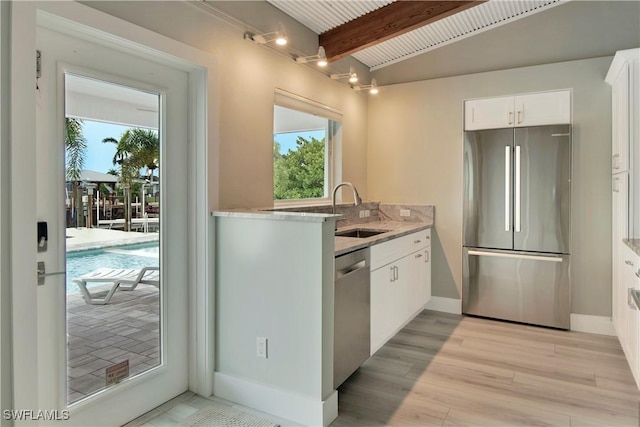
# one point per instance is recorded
(534, 109)
(491, 113)
(547, 108)
(618, 77)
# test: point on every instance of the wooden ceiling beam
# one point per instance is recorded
(385, 23)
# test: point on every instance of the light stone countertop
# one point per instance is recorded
(396, 229)
(277, 215)
(634, 244)
(384, 217)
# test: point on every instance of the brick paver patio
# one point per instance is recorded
(102, 335)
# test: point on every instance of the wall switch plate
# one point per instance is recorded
(405, 212)
(365, 213)
(261, 347)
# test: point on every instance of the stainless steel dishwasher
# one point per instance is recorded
(352, 307)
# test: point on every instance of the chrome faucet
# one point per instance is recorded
(356, 197)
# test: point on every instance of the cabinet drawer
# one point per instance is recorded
(394, 249)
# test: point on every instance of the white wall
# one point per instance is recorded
(249, 74)
(5, 322)
(415, 156)
(274, 279)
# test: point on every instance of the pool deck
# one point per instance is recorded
(99, 336)
(80, 239)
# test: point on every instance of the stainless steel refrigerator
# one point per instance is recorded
(517, 224)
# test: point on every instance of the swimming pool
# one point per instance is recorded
(130, 256)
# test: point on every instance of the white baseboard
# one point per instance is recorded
(592, 324)
(601, 325)
(446, 305)
(281, 403)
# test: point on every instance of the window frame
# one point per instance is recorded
(333, 142)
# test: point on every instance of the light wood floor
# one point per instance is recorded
(449, 370)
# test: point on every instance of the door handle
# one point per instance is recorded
(516, 256)
(507, 187)
(426, 256)
(42, 273)
(520, 116)
(510, 117)
(517, 188)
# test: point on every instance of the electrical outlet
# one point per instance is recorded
(367, 213)
(405, 212)
(261, 347)
(361, 214)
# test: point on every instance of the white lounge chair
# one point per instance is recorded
(125, 279)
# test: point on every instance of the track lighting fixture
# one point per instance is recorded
(373, 87)
(351, 75)
(279, 36)
(321, 58)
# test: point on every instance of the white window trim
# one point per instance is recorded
(290, 100)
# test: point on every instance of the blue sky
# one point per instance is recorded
(287, 141)
(100, 155)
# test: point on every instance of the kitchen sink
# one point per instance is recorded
(361, 233)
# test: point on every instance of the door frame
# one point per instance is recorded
(5, 306)
(84, 22)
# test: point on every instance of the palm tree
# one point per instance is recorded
(136, 148)
(76, 149)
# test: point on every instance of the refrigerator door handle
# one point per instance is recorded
(518, 256)
(517, 190)
(507, 189)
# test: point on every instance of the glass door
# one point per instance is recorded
(111, 172)
(112, 234)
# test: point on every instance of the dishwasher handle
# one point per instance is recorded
(350, 269)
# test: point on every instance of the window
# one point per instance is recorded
(306, 137)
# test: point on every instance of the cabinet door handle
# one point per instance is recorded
(426, 256)
(391, 275)
(520, 116)
(616, 161)
(417, 241)
(418, 256)
(638, 274)
(510, 117)
(396, 274)
(629, 262)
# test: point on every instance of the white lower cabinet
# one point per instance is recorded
(400, 288)
(626, 316)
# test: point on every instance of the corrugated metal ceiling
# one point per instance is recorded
(323, 15)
